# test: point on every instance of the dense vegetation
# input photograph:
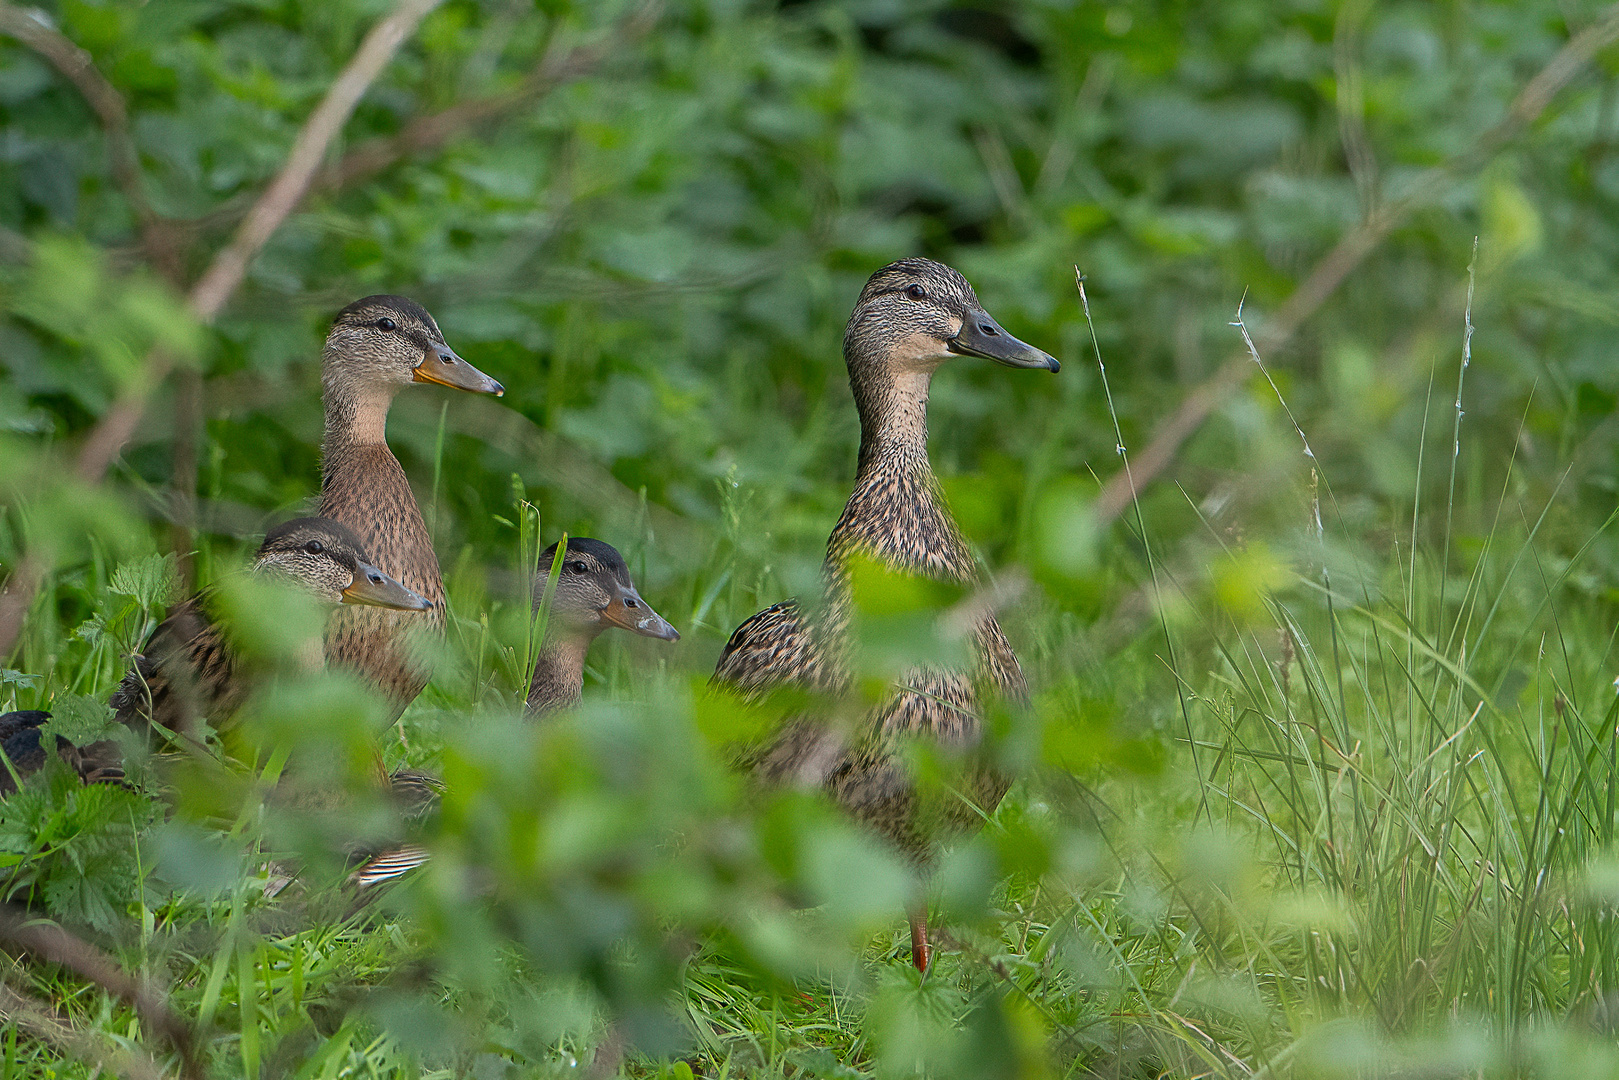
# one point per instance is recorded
(1320, 778)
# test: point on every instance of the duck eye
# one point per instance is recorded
(578, 567)
(916, 292)
(314, 547)
(386, 323)
(629, 602)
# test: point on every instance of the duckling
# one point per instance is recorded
(24, 749)
(377, 346)
(593, 594)
(187, 668)
(912, 316)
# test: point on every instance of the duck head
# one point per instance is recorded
(594, 593)
(326, 558)
(391, 341)
(915, 314)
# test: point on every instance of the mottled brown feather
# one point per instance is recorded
(377, 346)
(185, 673)
(366, 489)
(897, 516)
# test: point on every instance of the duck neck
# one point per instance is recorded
(559, 673)
(894, 424)
(896, 512)
(356, 416)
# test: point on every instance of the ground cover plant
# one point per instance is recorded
(1308, 551)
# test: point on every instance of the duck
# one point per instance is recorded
(22, 743)
(593, 594)
(377, 346)
(912, 317)
(188, 669)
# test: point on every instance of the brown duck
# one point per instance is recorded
(187, 669)
(377, 346)
(593, 594)
(912, 316)
(24, 749)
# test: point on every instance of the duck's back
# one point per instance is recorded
(772, 648)
(366, 489)
(184, 672)
(865, 770)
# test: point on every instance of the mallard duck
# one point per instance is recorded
(912, 316)
(377, 346)
(593, 594)
(186, 669)
(24, 749)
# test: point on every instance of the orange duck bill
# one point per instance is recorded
(629, 611)
(441, 365)
(371, 586)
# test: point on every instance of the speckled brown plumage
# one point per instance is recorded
(910, 317)
(593, 593)
(24, 748)
(367, 491)
(377, 346)
(187, 671)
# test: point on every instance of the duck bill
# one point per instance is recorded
(444, 367)
(376, 589)
(639, 618)
(982, 336)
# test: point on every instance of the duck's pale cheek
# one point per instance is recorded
(918, 352)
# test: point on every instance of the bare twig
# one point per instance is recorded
(1350, 251)
(433, 131)
(222, 278)
(287, 190)
(229, 267)
(44, 1023)
(21, 588)
(55, 944)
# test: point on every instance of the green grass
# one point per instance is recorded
(1304, 804)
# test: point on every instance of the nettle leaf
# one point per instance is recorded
(13, 677)
(78, 718)
(91, 630)
(153, 580)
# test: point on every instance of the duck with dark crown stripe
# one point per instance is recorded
(376, 347)
(593, 594)
(911, 317)
(187, 669)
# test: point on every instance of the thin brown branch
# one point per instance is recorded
(556, 68)
(79, 68)
(225, 274)
(287, 190)
(51, 942)
(21, 589)
(1347, 255)
(47, 1025)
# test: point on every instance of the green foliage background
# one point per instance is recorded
(1320, 778)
